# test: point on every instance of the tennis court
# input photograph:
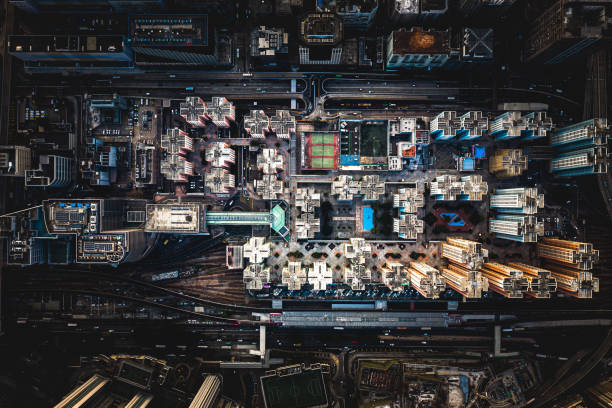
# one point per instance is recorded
(323, 138)
(323, 163)
(321, 150)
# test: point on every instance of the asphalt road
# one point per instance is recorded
(429, 90)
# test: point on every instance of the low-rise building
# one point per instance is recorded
(268, 43)
(418, 48)
(176, 218)
(15, 160)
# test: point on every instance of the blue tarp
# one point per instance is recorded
(349, 160)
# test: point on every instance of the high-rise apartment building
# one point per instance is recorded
(581, 148)
(542, 282)
(506, 163)
(174, 165)
(571, 264)
(571, 254)
(469, 254)
(53, 171)
(395, 276)
(256, 124)
(521, 228)
(426, 280)
(514, 124)
(469, 283)
(450, 187)
(520, 200)
(566, 30)
(505, 280)
(448, 125)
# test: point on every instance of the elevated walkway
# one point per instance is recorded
(235, 218)
(276, 219)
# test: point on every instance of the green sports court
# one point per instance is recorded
(321, 149)
(323, 138)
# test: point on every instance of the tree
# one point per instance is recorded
(430, 219)
(416, 255)
(296, 254)
(476, 218)
(440, 229)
